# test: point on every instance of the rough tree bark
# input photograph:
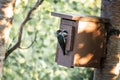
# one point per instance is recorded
(111, 70)
(6, 17)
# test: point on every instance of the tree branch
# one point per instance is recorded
(31, 43)
(38, 3)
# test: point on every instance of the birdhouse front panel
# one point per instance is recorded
(65, 56)
(81, 40)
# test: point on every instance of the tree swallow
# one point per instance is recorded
(61, 36)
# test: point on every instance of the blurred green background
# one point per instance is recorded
(38, 62)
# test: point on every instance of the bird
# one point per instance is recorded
(61, 36)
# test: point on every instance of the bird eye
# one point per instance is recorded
(65, 31)
(58, 31)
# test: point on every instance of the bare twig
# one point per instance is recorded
(38, 3)
(31, 43)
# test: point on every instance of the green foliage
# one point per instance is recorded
(38, 62)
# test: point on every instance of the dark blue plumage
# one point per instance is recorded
(61, 36)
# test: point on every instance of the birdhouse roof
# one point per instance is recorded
(80, 17)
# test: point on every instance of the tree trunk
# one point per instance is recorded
(111, 70)
(6, 17)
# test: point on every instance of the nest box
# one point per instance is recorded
(81, 40)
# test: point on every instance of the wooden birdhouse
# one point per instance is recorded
(81, 40)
